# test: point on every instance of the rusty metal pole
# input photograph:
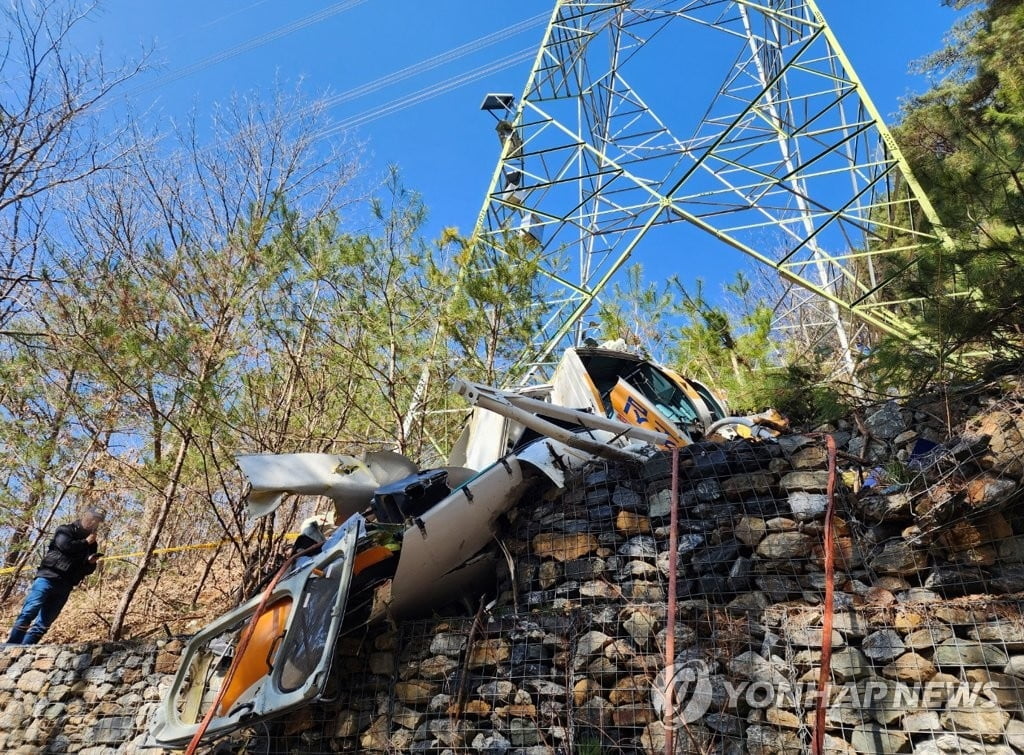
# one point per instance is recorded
(670, 620)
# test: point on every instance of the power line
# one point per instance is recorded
(437, 60)
(276, 33)
(427, 93)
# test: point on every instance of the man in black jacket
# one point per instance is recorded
(70, 558)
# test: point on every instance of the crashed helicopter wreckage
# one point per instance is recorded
(410, 540)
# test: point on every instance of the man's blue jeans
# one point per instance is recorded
(43, 604)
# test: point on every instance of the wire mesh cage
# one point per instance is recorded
(883, 616)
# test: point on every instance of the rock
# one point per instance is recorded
(166, 662)
(631, 690)
(988, 490)
(596, 712)
(640, 624)
(807, 506)
(953, 744)
(592, 643)
(585, 689)
(877, 451)
(32, 681)
(1006, 440)
(838, 746)
(1015, 666)
(1004, 689)
(564, 547)
(740, 486)
(952, 582)
(959, 614)
(498, 691)
(845, 711)
(898, 557)
(749, 603)
(884, 645)
(652, 740)
(927, 638)
(764, 740)
(707, 490)
(545, 688)
(645, 592)
(448, 731)
(849, 664)
(659, 505)
(409, 718)
(785, 545)
(920, 721)
(887, 701)
(850, 623)
(1011, 550)
(810, 457)
(877, 509)
(957, 652)
(415, 692)
(491, 743)
(753, 666)
(811, 637)
(750, 530)
(435, 667)
(910, 667)
(904, 438)
(114, 730)
(808, 481)
(599, 589)
(489, 652)
(871, 739)
(1008, 633)
(919, 595)
(633, 716)
(347, 724)
(627, 499)
(1015, 734)
(629, 523)
(779, 587)
(1007, 578)
(886, 422)
(778, 717)
(549, 574)
(584, 569)
(642, 546)
(448, 643)
(715, 557)
(984, 719)
(688, 543)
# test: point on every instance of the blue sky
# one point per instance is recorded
(445, 147)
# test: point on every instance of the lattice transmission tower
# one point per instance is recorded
(630, 138)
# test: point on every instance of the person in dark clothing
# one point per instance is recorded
(71, 557)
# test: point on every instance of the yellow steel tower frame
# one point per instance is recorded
(790, 162)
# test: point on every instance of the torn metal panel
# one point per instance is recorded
(448, 534)
(347, 480)
(572, 386)
(592, 433)
(288, 656)
(489, 436)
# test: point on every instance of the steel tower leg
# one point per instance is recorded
(618, 149)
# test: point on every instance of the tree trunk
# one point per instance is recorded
(170, 491)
